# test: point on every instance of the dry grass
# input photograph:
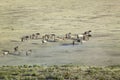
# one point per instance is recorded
(20, 17)
(63, 72)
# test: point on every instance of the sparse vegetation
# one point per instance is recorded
(65, 72)
(20, 18)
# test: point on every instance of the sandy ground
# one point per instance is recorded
(20, 17)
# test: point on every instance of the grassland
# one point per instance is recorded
(20, 17)
(64, 72)
(25, 17)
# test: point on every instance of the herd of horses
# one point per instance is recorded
(47, 37)
(75, 38)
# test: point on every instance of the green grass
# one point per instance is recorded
(65, 72)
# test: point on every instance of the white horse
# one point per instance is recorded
(80, 38)
(5, 52)
(44, 41)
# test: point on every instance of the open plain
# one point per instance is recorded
(23, 17)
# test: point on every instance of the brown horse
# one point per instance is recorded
(37, 35)
(47, 37)
(53, 36)
(16, 48)
(33, 36)
(88, 33)
(68, 35)
(24, 38)
(43, 39)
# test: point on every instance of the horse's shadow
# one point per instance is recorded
(16, 53)
(69, 44)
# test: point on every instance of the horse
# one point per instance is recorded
(43, 39)
(28, 52)
(37, 35)
(73, 43)
(78, 40)
(16, 48)
(5, 52)
(68, 35)
(33, 36)
(52, 36)
(80, 36)
(47, 37)
(88, 33)
(86, 37)
(24, 38)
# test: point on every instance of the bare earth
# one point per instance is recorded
(23, 17)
